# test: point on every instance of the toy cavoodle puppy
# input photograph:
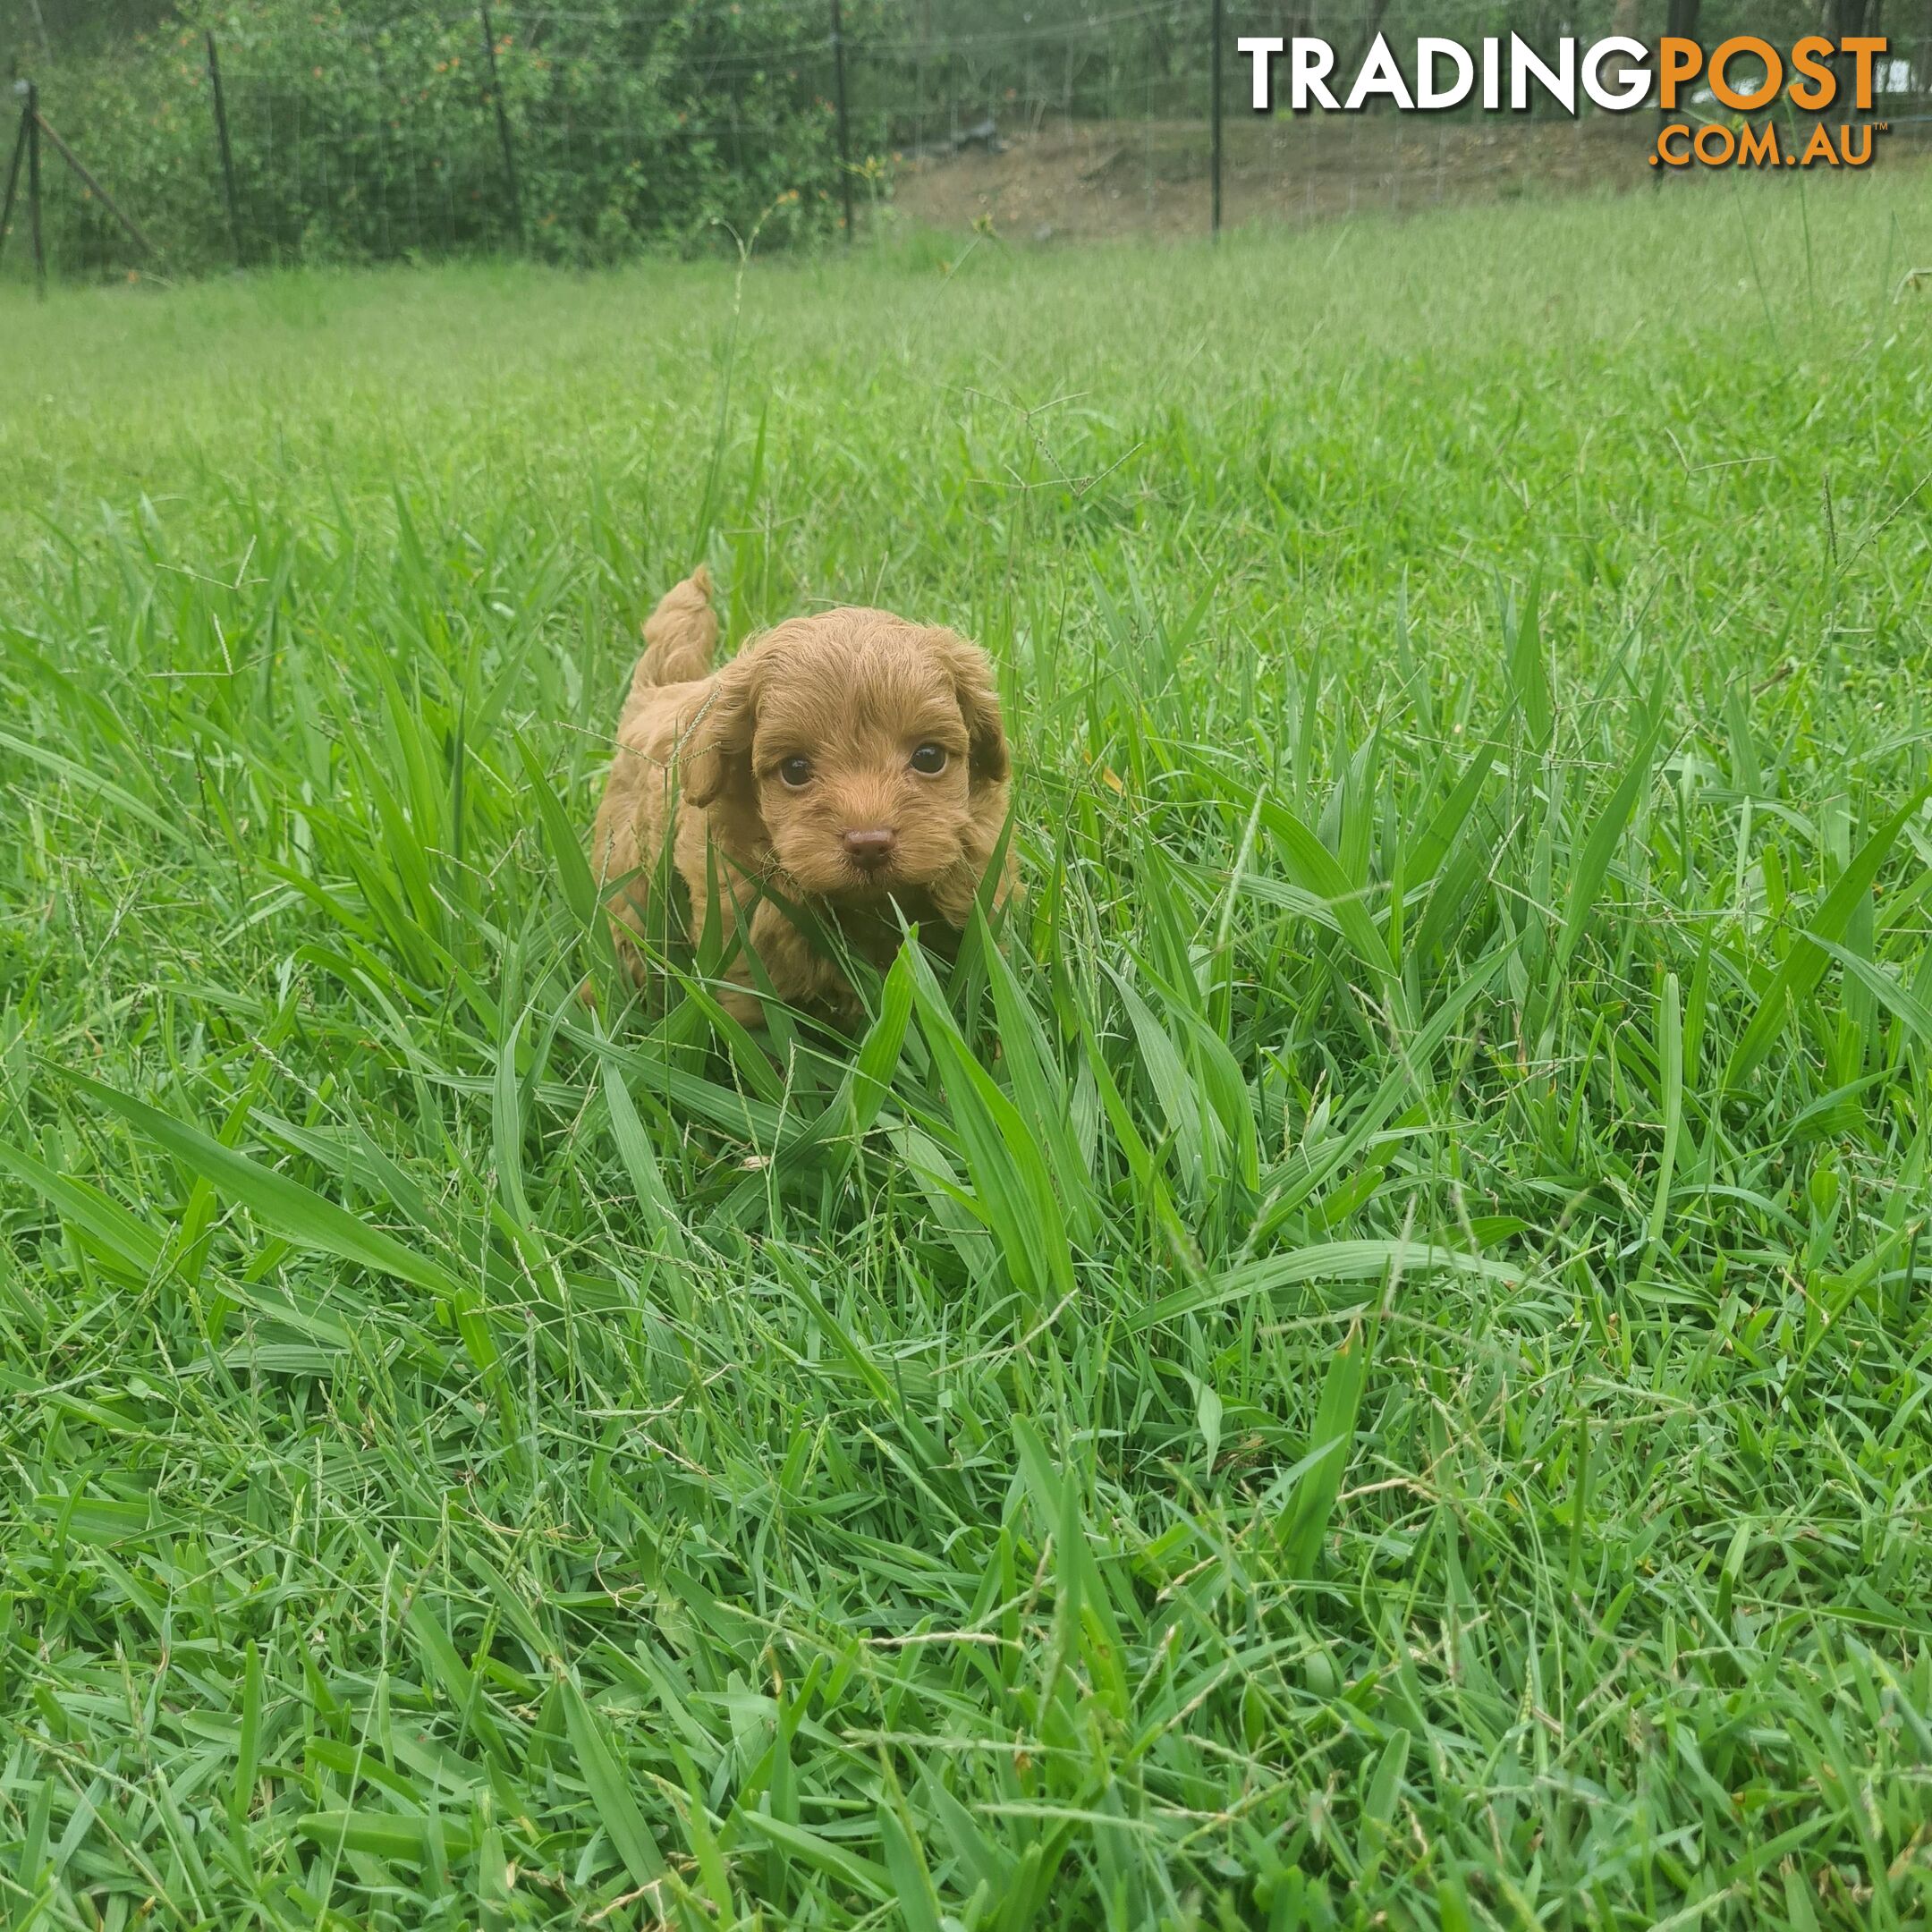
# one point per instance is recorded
(850, 764)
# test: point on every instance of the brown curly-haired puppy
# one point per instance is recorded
(852, 762)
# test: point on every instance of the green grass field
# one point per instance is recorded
(1397, 1395)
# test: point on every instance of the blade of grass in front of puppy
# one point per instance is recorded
(1039, 1087)
(573, 870)
(966, 980)
(756, 1120)
(641, 1164)
(715, 945)
(846, 1117)
(1010, 1175)
(1179, 1098)
(774, 1012)
(878, 1053)
(851, 1110)
(746, 1054)
(954, 1207)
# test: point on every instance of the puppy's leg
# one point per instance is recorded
(680, 635)
(627, 839)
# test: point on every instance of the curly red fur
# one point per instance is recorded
(769, 771)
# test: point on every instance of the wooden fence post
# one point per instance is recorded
(42, 125)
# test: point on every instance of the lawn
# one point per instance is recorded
(1367, 1364)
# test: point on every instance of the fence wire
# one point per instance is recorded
(584, 135)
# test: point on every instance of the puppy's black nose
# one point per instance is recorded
(870, 849)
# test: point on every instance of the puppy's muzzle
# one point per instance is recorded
(871, 850)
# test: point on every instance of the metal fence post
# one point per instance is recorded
(503, 122)
(13, 180)
(1214, 95)
(33, 189)
(227, 155)
(845, 145)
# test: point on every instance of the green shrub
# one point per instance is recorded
(360, 138)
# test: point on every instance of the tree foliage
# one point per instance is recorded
(362, 132)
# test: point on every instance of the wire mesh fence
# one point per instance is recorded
(585, 134)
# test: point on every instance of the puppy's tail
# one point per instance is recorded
(680, 635)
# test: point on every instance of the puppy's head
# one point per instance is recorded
(864, 753)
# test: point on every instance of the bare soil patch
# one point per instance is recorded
(1087, 180)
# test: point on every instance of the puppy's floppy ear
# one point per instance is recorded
(978, 701)
(717, 760)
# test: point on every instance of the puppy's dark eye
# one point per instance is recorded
(796, 772)
(930, 759)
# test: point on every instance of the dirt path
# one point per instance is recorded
(1083, 180)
